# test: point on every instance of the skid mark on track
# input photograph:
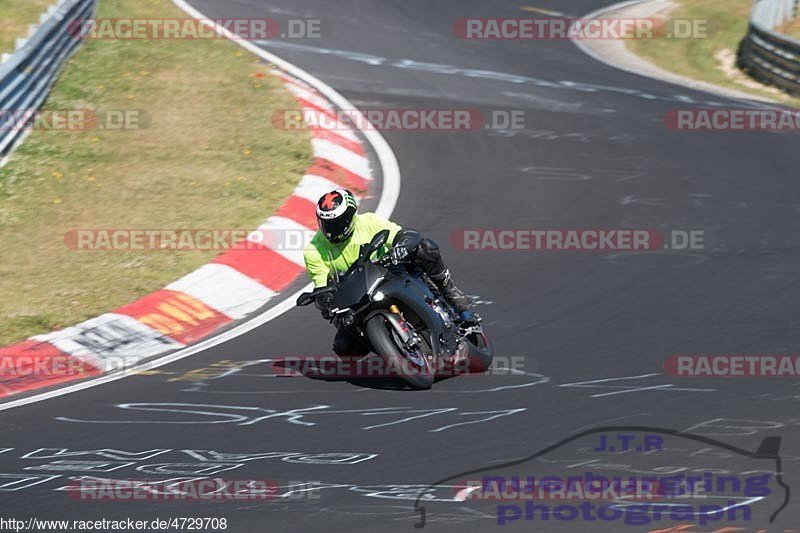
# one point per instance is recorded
(557, 106)
(657, 259)
(543, 11)
(552, 135)
(649, 202)
(556, 173)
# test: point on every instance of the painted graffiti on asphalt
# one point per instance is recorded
(246, 415)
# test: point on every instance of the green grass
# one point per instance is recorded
(210, 158)
(15, 18)
(695, 58)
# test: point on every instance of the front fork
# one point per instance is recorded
(406, 334)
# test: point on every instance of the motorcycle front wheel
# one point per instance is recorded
(418, 372)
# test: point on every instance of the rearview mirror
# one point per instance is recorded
(379, 240)
(308, 297)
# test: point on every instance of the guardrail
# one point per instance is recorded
(768, 56)
(28, 74)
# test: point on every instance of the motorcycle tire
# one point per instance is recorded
(385, 346)
(480, 352)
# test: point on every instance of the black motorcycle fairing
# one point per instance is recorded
(356, 283)
(414, 293)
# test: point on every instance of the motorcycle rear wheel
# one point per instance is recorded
(480, 352)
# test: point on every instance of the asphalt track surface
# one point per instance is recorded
(592, 156)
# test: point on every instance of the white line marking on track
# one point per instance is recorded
(623, 389)
(492, 75)
(534, 9)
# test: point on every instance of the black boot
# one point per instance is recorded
(452, 294)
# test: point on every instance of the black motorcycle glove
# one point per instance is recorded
(398, 253)
(324, 302)
(405, 244)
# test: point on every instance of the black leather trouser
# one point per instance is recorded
(423, 252)
(347, 342)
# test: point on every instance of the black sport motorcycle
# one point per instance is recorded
(400, 312)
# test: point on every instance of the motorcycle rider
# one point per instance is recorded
(342, 231)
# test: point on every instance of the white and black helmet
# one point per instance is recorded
(336, 213)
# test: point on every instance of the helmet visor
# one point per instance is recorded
(336, 229)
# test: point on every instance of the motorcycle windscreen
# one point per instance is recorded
(355, 284)
(352, 288)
